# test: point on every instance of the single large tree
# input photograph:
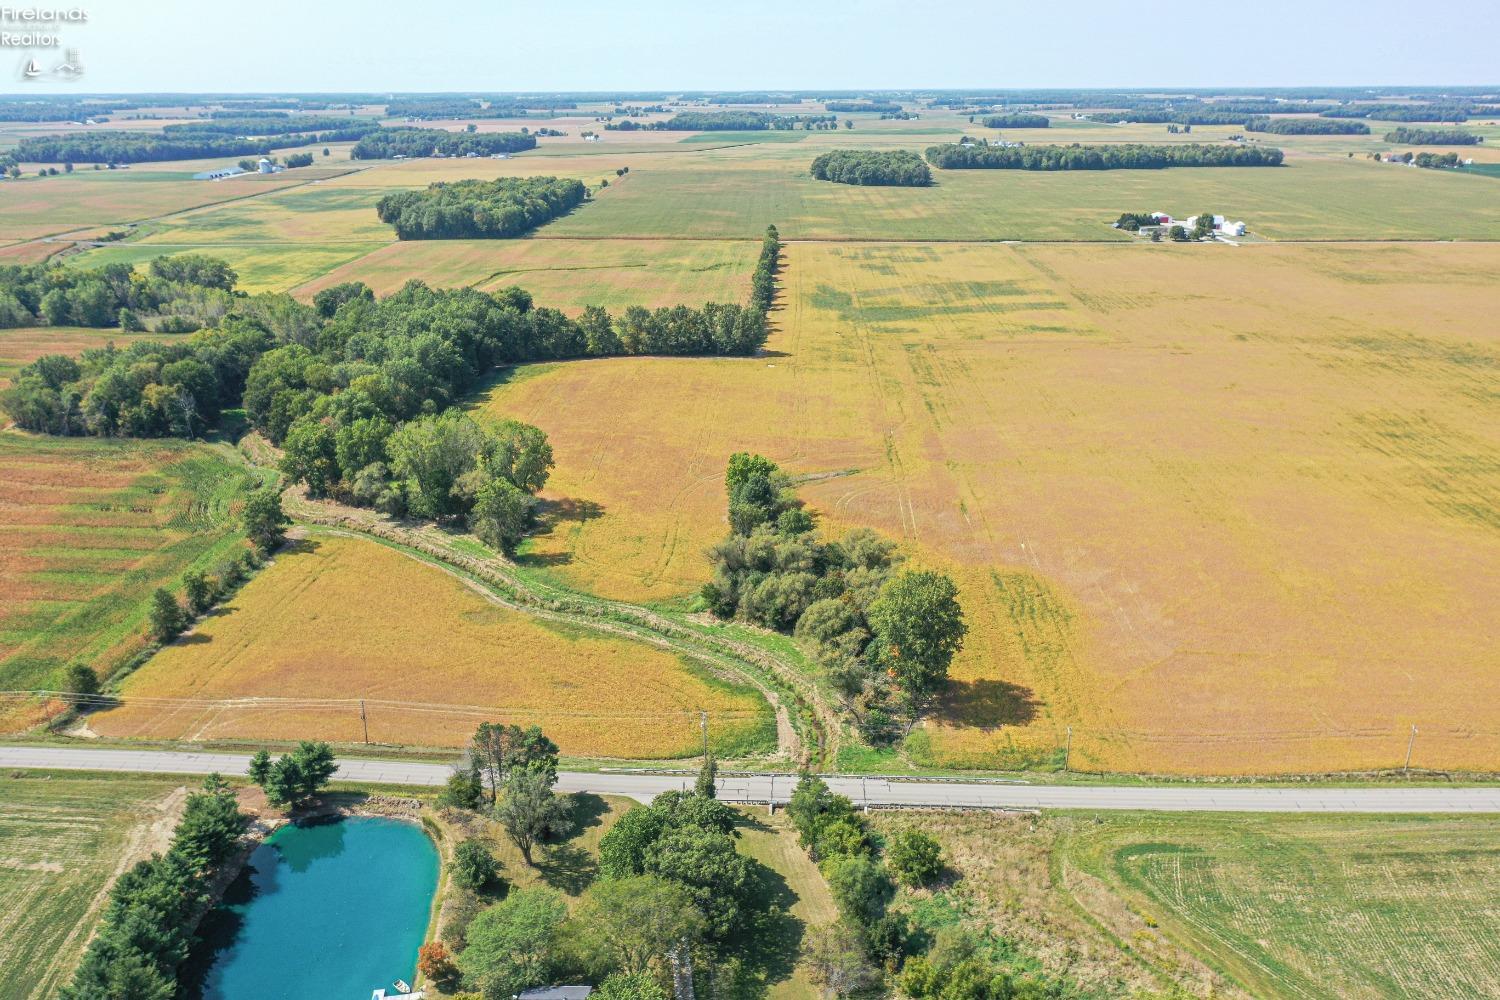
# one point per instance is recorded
(627, 924)
(836, 959)
(531, 812)
(514, 944)
(918, 626)
(501, 750)
(265, 522)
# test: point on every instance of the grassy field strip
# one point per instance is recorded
(310, 627)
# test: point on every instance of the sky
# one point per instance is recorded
(502, 45)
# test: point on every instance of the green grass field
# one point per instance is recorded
(1302, 906)
(261, 267)
(93, 526)
(63, 839)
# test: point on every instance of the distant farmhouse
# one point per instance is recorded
(1163, 225)
(218, 175)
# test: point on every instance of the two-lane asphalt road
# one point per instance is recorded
(874, 791)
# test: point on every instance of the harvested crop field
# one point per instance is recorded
(88, 529)
(63, 839)
(1310, 906)
(42, 206)
(563, 274)
(341, 618)
(1142, 463)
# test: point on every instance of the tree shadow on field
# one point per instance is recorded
(772, 939)
(555, 515)
(566, 866)
(988, 704)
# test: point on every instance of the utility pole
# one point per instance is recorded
(772, 804)
(364, 722)
(703, 722)
(1406, 768)
(1068, 751)
(864, 789)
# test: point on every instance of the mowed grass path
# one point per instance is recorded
(339, 617)
(62, 840)
(88, 529)
(1314, 906)
(563, 274)
(1140, 462)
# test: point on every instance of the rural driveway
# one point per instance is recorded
(874, 791)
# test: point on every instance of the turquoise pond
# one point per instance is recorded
(330, 910)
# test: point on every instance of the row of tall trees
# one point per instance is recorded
(1437, 112)
(885, 636)
(898, 168)
(147, 927)
(850, 107)
(388, 143)
(726, 121)
(1306, 126)
(1129, 155)
(1433, 137)
(476, 209)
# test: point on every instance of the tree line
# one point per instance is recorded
(1433, 137)
(850, 107)
(147, 927)
(725, 121)
(1306, 126)
(417, 142)
(252, 125)
(1133, 156)
(1457, 113)
(1017, 119)
(884, 636)
(899, 168)
(146, 147)
(476, 209)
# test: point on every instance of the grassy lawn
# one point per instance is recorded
(1312, 906)
(63, 839)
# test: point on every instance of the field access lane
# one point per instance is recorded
(874, 791)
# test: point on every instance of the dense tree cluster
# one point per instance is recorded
(146, 147)
(475, 209)
(292, 779)
(850, 107)
(1126, 156)
(416, 142)
(1017, 119)
(1431, 161)
(1133, 221)
(1306, 126)
(1433, 137)
(881, 634)
(899, 167)
(189, 286)
(146, 929)
(1419, 113)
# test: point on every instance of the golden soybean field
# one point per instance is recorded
(1220, 509)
